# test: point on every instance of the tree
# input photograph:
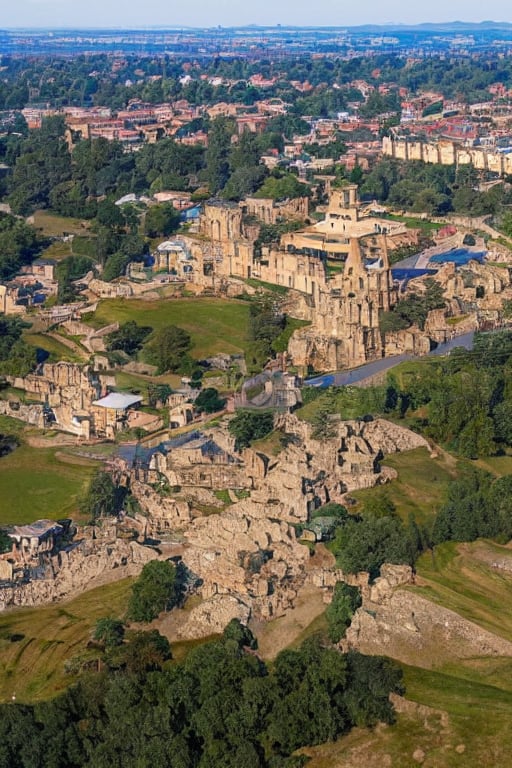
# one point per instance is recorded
(217, 154)
(248, 426)
(345, 602)
(128, 338)
(146, 652)
(109, 632)
(5, 542)
(115, 266)
(365, 543)
(283, 187)
(168, 348)
(161, 220)
(208, 401)
(154, 591)
(103, 497)
(370, 680)
(240, 634)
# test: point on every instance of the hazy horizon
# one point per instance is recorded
(99, 14)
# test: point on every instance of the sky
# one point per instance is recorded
(201, 13)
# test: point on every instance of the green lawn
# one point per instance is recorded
(136, 382)
(32, 667)
(216, 325)
(53, 225)
(58, 350)
(41, 482)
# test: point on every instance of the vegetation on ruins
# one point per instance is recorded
(129, 338)
(363, 542)
(248, 426)
(209, 401)
(69, 270)
(414, 309)
(345, 602)
(104, 498)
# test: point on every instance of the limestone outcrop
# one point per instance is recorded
(86, 564)
(402, 619)
(248, 549)
(212, 616)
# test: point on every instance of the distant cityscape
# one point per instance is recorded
(255, 41)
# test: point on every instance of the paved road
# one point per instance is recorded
(346, 378)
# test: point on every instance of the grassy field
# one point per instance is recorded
(53, 225)
(467, 725)
(136, 382)
(58, 350)
(57, 251)
(216, 325)
(470, 701)
(461, 577)
(413, 222)
(32, 667)
(421, 485)
(41, 482)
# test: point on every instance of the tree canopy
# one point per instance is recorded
(154, 591)
(168, 348)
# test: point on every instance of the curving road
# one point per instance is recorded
(357, 375)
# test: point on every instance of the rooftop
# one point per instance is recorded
(119, 401)
(38, 529)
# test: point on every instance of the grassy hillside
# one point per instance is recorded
(216, 325)
(454, 722)
(421, 484)
(35, 642)
(38, 482)
(463, 577)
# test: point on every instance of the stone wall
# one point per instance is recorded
(447, 153)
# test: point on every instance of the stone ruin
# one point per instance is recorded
(248, 551)
(45, 566)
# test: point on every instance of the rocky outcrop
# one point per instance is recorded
(419, 631)
(86, 564)
(164, 514)
(248, 549)
(256, 560)
(212, 616)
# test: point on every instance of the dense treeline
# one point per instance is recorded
(91, 80)
(19, 245)
(17, 358)
(221, 707)
(463, 401)
(46, 175)
(433, 189)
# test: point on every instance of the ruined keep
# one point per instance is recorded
(342, 307)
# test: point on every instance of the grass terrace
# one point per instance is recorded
(39, 482)
(216, 325)
(35, 642)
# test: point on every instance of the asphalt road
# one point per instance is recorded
(355, 376)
